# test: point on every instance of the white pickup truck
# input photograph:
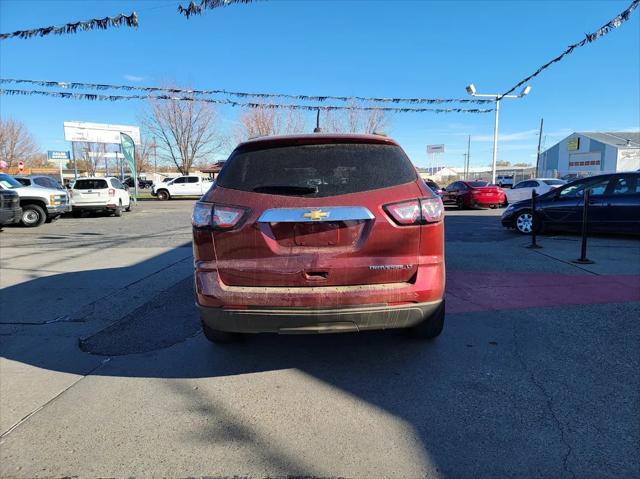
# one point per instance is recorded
(181, 186)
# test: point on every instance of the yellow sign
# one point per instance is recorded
(316, 215)
(573, 144)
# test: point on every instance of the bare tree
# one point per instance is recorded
(354, 120)
(37, 160)
(185, 131)
(16, 143)
(143, 156)
(266, 121)
(90, 155)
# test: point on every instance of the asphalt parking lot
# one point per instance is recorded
(105, 373)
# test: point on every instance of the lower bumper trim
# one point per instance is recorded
(302, 321)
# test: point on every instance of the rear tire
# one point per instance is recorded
(220, 337)
(118, 210)
(431, 327)
(33, 215)
(128, 208)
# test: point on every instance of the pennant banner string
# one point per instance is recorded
(93, 96)
(100, 86)
(196, 9)
(96, 23)
(589, 38)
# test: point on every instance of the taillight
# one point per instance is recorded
(432, 209)
(112, 192)
(415, 212)
(210, 215)
(405, 213)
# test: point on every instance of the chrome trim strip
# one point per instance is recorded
(333, 213)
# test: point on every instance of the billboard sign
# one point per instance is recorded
(99, 132)
(435, 149)
(58, 156)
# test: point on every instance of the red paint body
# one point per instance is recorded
(325, 264)
(466, 195)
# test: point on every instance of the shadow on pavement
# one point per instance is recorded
(479, 398)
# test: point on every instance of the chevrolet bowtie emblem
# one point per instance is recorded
(316, 215)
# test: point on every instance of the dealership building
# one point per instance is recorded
(592, 153)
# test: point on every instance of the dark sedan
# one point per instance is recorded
(614, 206)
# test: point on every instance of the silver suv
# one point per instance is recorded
(38, 203)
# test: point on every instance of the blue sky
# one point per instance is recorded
(365, 48)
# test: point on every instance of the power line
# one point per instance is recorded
(239, 94)
(98, 97)
(589, 38)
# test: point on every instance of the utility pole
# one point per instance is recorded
(466, 174)
(464, 169)
(539, 147)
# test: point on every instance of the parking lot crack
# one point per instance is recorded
(548, 400)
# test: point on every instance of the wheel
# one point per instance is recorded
(118, 210)
(163, 195)
(460, 203)
(220, 337)
(33, 215)
(524, 223)
(431, 327)
(129, 206)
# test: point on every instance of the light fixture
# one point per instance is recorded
(471, 89)
(525, 91)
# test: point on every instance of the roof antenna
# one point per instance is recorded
(317, 128)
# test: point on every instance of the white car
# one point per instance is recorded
(100, 194)
(181, 186)
(522, 191)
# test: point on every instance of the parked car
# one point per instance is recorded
(319, 233)
(10, 211)
(39, 204)
(473, 194)
(504, 181)
(523, 189)
(614, 206)
(40, 180)
(100, 194)
(181, 186)
(434, 187)
(142, 183)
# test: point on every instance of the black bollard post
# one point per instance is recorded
(534, 244)
(585, 216)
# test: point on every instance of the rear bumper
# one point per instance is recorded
(307, 320)
(94, 207)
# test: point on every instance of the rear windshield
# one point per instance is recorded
(317, 170)
(90, 185)
(477, 184)
(554, 182)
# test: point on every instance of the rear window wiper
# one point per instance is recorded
(286, 190)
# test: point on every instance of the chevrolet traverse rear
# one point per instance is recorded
(319, 233)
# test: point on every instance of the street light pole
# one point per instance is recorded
(471, 89)
(495, 144)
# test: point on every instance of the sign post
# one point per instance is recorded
(59, 157)
(434, 152)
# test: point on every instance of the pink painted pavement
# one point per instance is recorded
(469, 291)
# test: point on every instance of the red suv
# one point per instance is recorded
(319, 233)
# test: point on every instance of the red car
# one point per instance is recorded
(319, 233)
(473, 194)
